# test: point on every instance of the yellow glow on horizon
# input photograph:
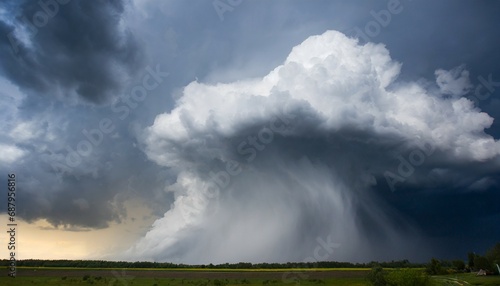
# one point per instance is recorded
(40, 240)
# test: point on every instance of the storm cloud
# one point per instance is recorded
(255, 144)
(269, 166)
(69, 49)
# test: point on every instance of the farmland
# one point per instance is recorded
(85, 276)
(210, 277)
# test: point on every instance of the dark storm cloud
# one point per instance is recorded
(277, 162)
(81, 51)
(86, 47)
(68, 180)
(92, 194)
(68, 48)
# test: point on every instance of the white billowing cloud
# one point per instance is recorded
(324, 126)
(454, 82)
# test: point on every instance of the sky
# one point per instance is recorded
(258, 131)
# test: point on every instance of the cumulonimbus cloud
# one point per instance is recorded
(269, 166)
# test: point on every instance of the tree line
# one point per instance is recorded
(475, 262)
(168, 265)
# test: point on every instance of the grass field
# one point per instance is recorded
(467, 279)
(204, 277)
(187, 277)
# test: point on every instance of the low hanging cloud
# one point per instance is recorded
(270, 167)
(68, 49)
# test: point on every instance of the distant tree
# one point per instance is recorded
(434, 267)
(493, 254)
(377, 276)
(459, 265)
(482, 262)
(471, 256)
(495, 250)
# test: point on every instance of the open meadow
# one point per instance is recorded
(62, 276)
(85, 276)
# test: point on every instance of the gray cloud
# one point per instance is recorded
(42, 145)
(69, 49)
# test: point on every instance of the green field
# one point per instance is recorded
(175, 281)
(187, 277)
(467, 279)
(204, 277)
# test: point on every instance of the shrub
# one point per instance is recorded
(434, 267)
(377, 276)
(218, 282)
(482, 262)
(407, 277)
(400, 277)
(459, 265)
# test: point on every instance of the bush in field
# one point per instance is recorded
(493, 255)
(407, 277)
(481, 262)
(377, 276)
(400, 277)
(458, 265)
(434, 267)
(218, 282)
